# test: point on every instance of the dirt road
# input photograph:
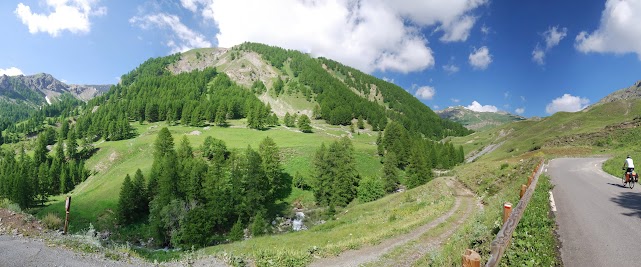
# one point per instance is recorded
(414, 244)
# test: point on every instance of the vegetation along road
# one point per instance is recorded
(599, 220)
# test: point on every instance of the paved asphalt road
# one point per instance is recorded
(598, 218)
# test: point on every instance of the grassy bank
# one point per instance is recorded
(496, 183)
(355, 226)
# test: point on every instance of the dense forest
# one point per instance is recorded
(29, 181)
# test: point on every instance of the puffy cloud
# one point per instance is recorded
(12, 71)
(552, 37)
(568, 103)
(425, 92)
(481, 58)
(476, 106)
(519, 111)
(71, 15)
(450, 68)
(182, 38)
(369, 35)
(619, 31)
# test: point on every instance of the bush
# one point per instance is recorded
(370, 189)
(7, 204)
(52, 221)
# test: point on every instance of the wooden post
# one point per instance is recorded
(507, 209)
(529, 181)
(67, 207)
(523, 188)
(471, 259)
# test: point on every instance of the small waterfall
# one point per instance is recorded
(297, 224)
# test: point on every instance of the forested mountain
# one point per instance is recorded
(335, 92)
(477, 121)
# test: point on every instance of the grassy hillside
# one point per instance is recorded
(95, 200)
(562, 133)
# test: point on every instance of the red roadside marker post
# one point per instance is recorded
(67, 206)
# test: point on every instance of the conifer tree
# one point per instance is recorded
(126, 202)
(390, 172)
(279, 186)
(236, 232)
(304, 124)
(360, 123)
(72, 145)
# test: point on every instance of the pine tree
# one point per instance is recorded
(288, 120)
(390, 173)
(236, 232)
(126, 202)
(279, 186)
(360, 123)
(379, 144)
(220, 119)
(64, 129)
(72, 145)
(304, 124)
(141, 200)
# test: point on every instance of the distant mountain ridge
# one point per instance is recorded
(42, 87)
(477, 121)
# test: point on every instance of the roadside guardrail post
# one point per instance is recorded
(523, 188)
(507, 209)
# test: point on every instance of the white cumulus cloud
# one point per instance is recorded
(369, 35)
(619, 31)
(70, 15)
(425, 92)
(519, 111)
(182, 38)
(568, 103)
(552, 38)
(481, 58)
(12, 71)
(476, 106)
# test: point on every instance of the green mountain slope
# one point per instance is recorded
(342, 93)
(477, 121)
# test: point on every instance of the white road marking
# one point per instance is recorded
(552, 205)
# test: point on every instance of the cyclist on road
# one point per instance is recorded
(628, 165)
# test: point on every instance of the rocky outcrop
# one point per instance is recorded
(632, 92)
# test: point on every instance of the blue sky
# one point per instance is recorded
(533, 58)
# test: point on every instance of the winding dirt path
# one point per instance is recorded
(415, 244)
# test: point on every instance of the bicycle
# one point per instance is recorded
(630, 178)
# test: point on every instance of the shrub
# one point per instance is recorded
(7, 204)
(370, 189)
(52, 221)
